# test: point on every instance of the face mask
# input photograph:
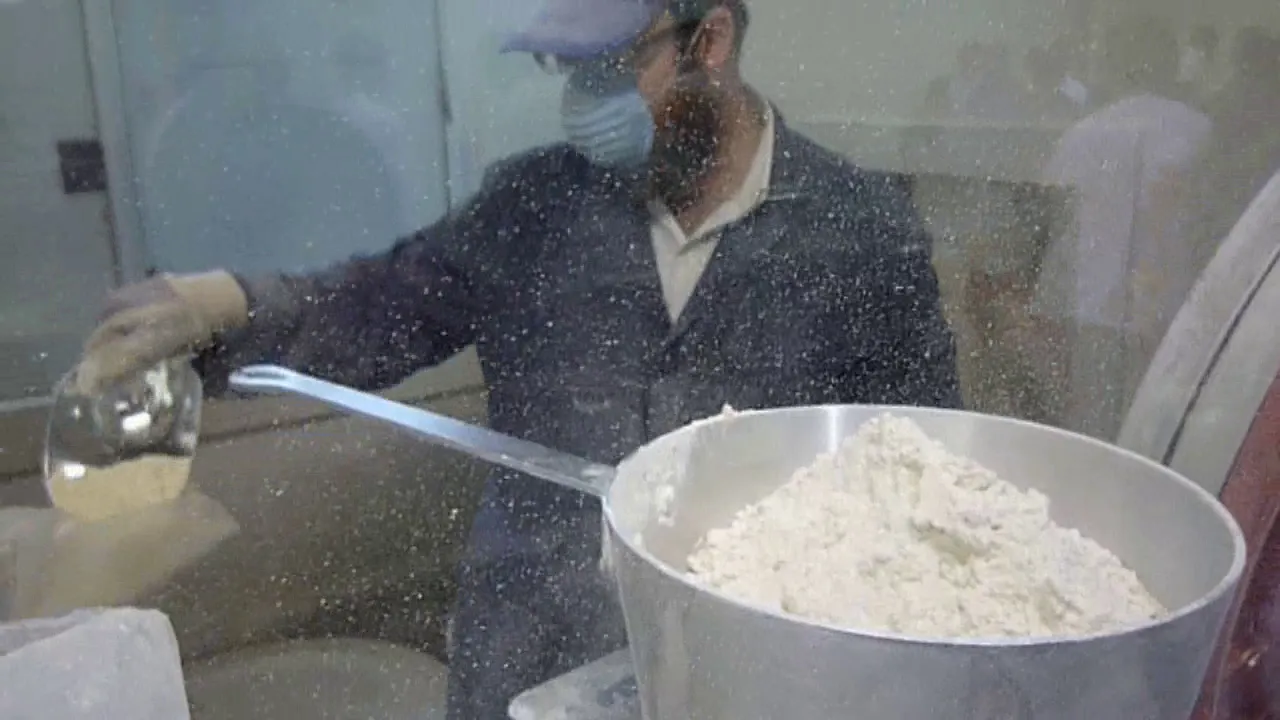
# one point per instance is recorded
(614, 129)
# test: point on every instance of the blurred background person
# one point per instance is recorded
(1114, 160)
(1194, 212)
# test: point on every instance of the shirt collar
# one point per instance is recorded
(755, 187)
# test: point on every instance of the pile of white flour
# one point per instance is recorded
(894, 533)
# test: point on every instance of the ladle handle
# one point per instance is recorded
(542, 462)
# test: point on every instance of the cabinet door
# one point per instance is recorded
(56, 239)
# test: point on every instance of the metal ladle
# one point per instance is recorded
(539, 461)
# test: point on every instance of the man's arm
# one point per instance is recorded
(371, 321)
(368, 322)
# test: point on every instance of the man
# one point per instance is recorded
(685, 250)
(1095, 293)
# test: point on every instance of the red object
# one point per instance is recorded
(1244, 676)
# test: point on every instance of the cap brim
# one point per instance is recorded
(583, 28)
(559, 47)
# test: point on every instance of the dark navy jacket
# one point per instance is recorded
(823, 294)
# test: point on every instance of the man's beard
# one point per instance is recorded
(686, 144)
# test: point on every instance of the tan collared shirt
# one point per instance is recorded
(681, 258)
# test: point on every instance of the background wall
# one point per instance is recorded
(870, 60)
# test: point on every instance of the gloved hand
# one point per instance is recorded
(162, 317)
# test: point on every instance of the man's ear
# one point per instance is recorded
(716, 44)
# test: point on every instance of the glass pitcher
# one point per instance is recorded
(156, 412)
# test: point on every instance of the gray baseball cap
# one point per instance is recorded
(585, 28)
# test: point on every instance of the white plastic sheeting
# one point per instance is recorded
(118, 664)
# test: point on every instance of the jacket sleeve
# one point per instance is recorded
(908, 357)
(372, 321)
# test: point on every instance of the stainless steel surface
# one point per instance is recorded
(699, 654)
(1213, 367)
(327, 504)
(601, 690)
(156, 412)
(329, 679)
(531, 458)
(349, 527)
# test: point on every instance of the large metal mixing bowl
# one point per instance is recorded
(701, 655)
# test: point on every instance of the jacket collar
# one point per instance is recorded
(794, 157)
